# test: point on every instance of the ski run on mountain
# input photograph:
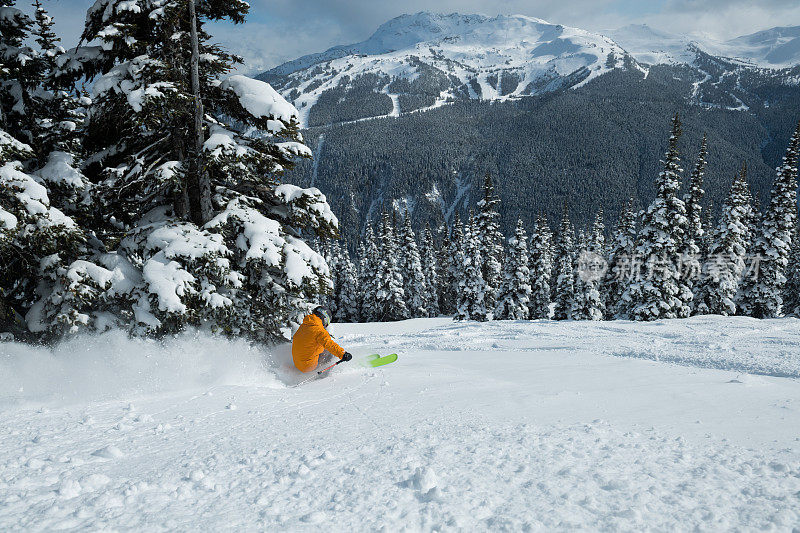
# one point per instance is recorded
(472, 273)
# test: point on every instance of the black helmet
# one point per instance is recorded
(324, 315)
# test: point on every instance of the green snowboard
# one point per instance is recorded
(375, 360)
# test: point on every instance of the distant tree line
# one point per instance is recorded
(669, 260)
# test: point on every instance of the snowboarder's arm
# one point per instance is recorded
(324, 338)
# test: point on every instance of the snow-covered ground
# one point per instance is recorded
(498, 426)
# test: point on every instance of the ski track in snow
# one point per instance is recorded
(395, 112)
(499, 426)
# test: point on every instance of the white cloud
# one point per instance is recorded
(264, 45)
(726, 19)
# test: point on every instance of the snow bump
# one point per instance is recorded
(260, 99)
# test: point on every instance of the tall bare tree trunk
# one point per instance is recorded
(198, 183)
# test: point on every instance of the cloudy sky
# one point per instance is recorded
(280, 30)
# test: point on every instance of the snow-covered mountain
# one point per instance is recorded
(653, 47)
(775, 48)
(422, 61)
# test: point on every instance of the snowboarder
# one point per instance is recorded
(312, 338)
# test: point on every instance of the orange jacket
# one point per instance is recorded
(309, 341)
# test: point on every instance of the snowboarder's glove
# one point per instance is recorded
(347, 356)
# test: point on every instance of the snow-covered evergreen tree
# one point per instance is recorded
(347, 293)
(490, 240)
(18, 74)
(541, 269)
(581, 251)
(331, 252)
(389, 295)
(454, 267)
(597, 237)
(430, 267)
(692, 253)
(723, 266)
(564, 292)
(36, 106)
(329, 249)
(765, 278)
(42, 194)
(56, 112)
(694, 198)
(368, 280)
(471, 286)
(411, 269)
(444, 257)
(141, 131)
(589, 270)
(620, 262)
(791, 291)
(661, 292)
(587, 303)
(244, 271)
(708, 228)
(38, 243)
(515, 291)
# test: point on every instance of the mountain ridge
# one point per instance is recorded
(782, 38)
(421, 61)
(779, 37)
(426, 60)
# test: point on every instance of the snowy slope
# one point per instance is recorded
(773, 48)
(498, 426)
(651, 46)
